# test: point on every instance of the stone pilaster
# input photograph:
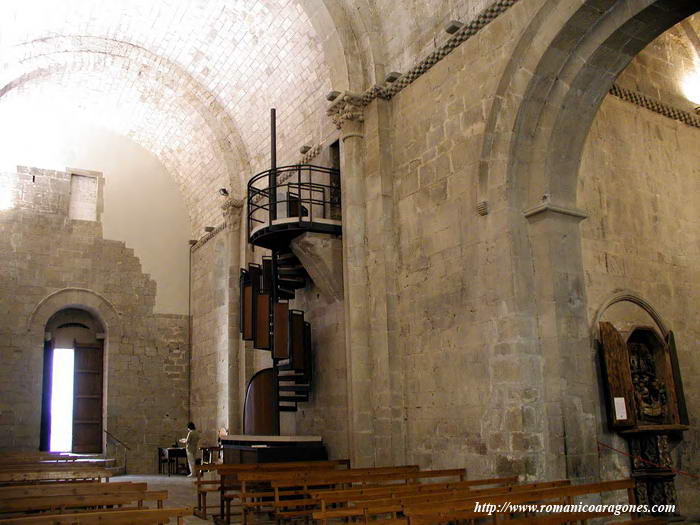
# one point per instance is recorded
(375, 367)
(233, 212)
(568, 364)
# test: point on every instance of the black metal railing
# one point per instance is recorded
(300, 194)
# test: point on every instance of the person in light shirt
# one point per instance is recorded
(191, 442)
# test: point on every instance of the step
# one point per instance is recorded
(293, 399)
(285, 293)
(288, 367)
(294, 388)
(299, 379)
(283, 257)
(291, 270)
(287, 408)
(117, 471)
(291, 282)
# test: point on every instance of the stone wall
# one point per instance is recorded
(326, 412)
(47, 262)
(471, 382)
(210, 337)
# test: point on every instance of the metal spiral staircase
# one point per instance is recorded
(283, 203)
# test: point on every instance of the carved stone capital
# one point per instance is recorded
(347, 107)
(232, 210)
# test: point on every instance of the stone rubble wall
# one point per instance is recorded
(42, 252)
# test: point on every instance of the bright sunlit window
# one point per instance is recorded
(62, 400)
(691, 85)
(7, 184)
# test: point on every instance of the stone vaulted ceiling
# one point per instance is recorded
(190, 80)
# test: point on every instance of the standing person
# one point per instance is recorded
(191, 442)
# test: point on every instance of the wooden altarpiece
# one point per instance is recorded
(645, 404)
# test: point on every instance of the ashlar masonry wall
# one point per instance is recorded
(472, 381)
(44, 256)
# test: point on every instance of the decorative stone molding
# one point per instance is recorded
(630, 297)
(311, 154)
(84, 298)
(347, 107)
(388, 91)
(209, 236)
(656, 106)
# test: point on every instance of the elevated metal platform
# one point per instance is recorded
(287, 201)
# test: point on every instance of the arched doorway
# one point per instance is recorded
(72, 397)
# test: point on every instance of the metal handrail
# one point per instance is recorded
(120, 442)
(301, 190)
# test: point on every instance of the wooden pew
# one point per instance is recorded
(305, 504)
(227, 477)
(367, 504)
(107, 517)
(68, 489)
(464, 508)
(59, 503)
(255, 487)
(344, 496)
(53, 473)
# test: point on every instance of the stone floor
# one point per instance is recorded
(181, 491)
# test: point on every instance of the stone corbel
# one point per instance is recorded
(346, 107)
(231, 209)
(547, 207)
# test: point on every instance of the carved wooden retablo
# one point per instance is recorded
(646, 405)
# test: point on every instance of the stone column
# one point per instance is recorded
(233, 211)
(346, 112)
(570, 390)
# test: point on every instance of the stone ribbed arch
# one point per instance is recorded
(348, 64)
(562, 68)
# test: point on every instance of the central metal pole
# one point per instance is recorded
(272, 183)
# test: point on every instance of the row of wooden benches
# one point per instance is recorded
(404, 495)
(43, 488)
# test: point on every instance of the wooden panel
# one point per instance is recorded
(308, 363)
(281, 328)
(296, 339)
(87, 398)
(260, 409)
(266, 284)
(262, 321)
(680, 394)
(617, 377)
(242, 281)
(247, 309)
